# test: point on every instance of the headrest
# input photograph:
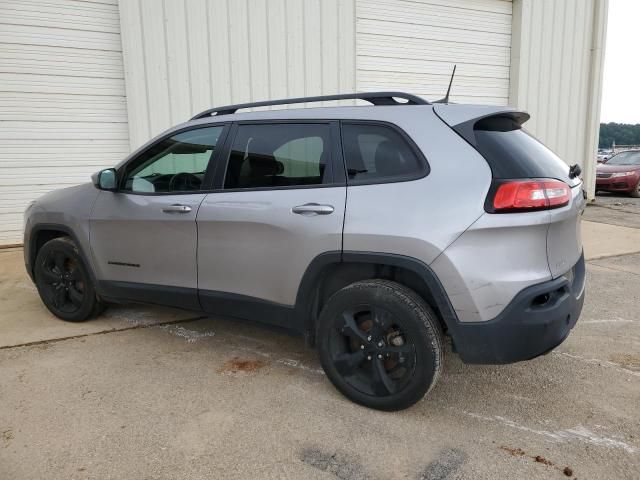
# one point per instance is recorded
(261, 159)
(389, 161)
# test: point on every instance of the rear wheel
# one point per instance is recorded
(380, 344)
(64, 283)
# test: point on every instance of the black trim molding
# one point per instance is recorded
(178, 297)
(251, 309)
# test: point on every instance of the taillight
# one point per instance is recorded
(527, 195)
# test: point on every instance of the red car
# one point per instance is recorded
(621, 173)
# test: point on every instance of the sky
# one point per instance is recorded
(621, 87)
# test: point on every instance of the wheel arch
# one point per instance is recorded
(41, 234)
(331, 271)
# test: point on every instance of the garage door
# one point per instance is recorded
(62, 99)
(413, 45)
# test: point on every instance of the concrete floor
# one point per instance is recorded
(157, 393)
(615, 209)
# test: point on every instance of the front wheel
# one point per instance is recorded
(636, 192)
(380, 344)
(64, 283)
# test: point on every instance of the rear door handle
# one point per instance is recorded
(313, 209)
(177, 208)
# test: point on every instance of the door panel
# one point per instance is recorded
(133, 238)
(144, 236)
(252, 243)
(282, 205)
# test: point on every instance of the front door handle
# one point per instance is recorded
(313, 209)
(176, 208)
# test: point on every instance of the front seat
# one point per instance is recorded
(263, 166)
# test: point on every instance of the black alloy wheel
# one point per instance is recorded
(63, 282)
(380, 344)
(371, 350)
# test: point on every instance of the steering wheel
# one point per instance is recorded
(184, 181)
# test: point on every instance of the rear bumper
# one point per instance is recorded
(537, 320)
(619, 184)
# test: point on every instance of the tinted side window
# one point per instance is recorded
(177, 163)
(376, 152)
(279, 155)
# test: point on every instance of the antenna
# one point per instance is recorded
(446, 97)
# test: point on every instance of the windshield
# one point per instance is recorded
(625, 158)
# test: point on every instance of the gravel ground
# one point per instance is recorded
(614, 209)
(149, 393)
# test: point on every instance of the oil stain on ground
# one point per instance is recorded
(241, 365)
(518, 452)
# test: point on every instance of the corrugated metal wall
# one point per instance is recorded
(412, 45)
(63, 112)
(183, 57)
(62, 99)
(554, 53)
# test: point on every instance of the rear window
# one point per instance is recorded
(513, 153)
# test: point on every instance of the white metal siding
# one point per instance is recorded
(182, 57)
(553, 58)
(62, 102)
(412, 45)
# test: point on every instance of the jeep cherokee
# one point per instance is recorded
(372, 231)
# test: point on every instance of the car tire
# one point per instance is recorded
(380, 344)
(636, 192)
(64, 283)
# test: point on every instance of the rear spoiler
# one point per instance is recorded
(463, 119)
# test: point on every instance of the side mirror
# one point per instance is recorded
(106, 180)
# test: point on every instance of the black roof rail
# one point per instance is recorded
(376, 98)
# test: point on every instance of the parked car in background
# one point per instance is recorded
(603, 155)
(621, 173)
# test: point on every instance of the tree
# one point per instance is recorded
(621, 133)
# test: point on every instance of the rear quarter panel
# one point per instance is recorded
(420, 218)
(564, 240)
(502, 254)
(497, 257)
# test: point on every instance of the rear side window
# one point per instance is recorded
(375, 153)
(513, 153)
(279, 155)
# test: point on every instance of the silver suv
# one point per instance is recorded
(371, 231)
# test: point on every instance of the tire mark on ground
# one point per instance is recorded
(448, 463)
